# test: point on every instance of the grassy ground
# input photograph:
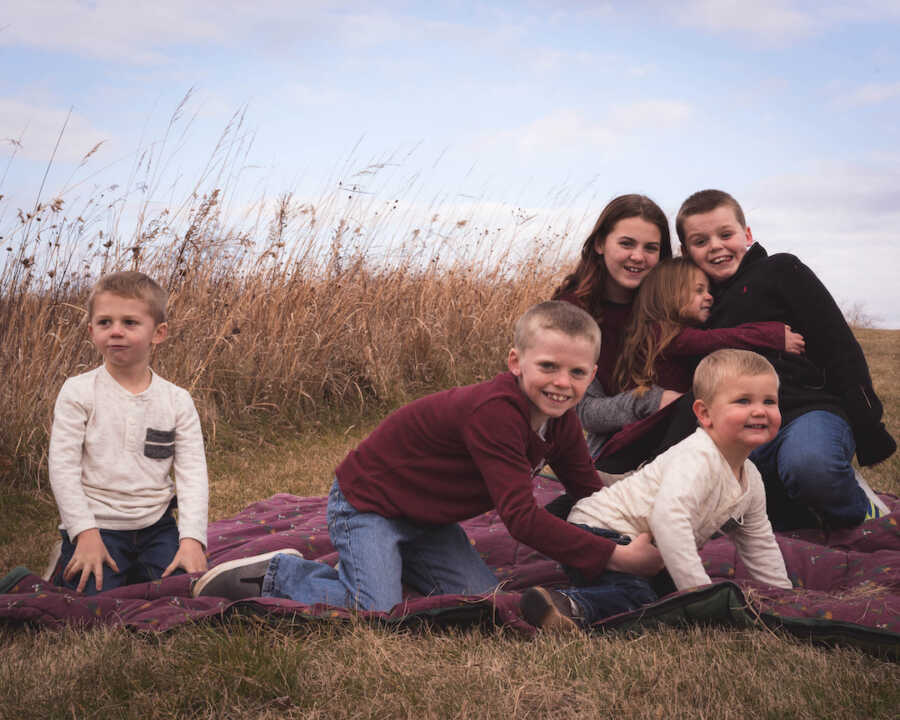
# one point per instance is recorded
(246, 668)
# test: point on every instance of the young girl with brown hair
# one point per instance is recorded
(664, 340)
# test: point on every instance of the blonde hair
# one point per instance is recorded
(724, 364)
(657, 316)
(132, 284)
(556, 315)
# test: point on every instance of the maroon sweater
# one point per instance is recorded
(675, 366)
(458, 453)
(613, 322)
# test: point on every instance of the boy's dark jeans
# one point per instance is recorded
(141, 555)
(613, 592)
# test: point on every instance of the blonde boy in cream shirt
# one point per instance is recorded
(118, 433)
(702, 485)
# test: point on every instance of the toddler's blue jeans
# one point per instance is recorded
(377, 555)
(613, 592)
(141, 555)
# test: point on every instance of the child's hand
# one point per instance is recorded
(88, 559)
(793, 342)
(639, 557)
(190, 558)
(668, 397)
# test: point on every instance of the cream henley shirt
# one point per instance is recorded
(682, 498)
(111, 453)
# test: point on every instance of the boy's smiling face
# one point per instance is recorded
(554, 372)
(716, 242)
(124, 331)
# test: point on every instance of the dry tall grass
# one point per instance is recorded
(344, 307)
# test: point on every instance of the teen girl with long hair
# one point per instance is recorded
(629, 238)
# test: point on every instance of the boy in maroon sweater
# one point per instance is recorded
(397, 499)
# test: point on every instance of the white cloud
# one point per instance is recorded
(142, 33)
(873, 94)
(842, 221)
(571, 128)
(656, 115)
(776, 22)
(773, 19)
(311, 95)
(37, 128)
(561, 128)
(109, 29)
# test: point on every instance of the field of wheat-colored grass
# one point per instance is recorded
(295, 335)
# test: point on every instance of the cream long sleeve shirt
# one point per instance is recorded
(683, 497)
(112, 452)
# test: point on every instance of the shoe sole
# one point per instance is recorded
(872, 496)
(215, 572)
(540, 610)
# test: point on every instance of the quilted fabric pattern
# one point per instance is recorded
(852, 576)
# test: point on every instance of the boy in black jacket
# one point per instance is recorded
(829, 407)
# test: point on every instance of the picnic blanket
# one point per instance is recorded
(847, 584)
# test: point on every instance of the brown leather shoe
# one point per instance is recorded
(548, 610)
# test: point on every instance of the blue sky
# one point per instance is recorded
(554, 107)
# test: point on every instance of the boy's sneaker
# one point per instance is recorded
(877, 508)
(548, 609)
(238, 579)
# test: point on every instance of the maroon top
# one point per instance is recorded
(675, 366)
(612, 324)
(458, 453)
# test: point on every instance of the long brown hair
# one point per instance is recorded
(588, 281)
(657, 316)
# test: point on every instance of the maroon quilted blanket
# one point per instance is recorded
(850, 579)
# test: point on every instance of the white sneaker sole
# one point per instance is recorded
(213, 573)
(870, 493)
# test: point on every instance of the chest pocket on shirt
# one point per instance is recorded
(159, 444)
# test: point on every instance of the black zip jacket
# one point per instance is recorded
(833, 374)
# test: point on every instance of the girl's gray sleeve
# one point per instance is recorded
(603, 414)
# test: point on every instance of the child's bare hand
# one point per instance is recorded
(668, 397)
(88, 559)
(639, 557)
(793, 342)
(190, 558)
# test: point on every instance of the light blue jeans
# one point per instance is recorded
(377, 555)
(808, 465)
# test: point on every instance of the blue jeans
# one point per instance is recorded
(377, 555)
(807, 470)
(141, 555)
(613, 592)
(610, 594)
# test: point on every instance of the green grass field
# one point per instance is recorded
(250, 668)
